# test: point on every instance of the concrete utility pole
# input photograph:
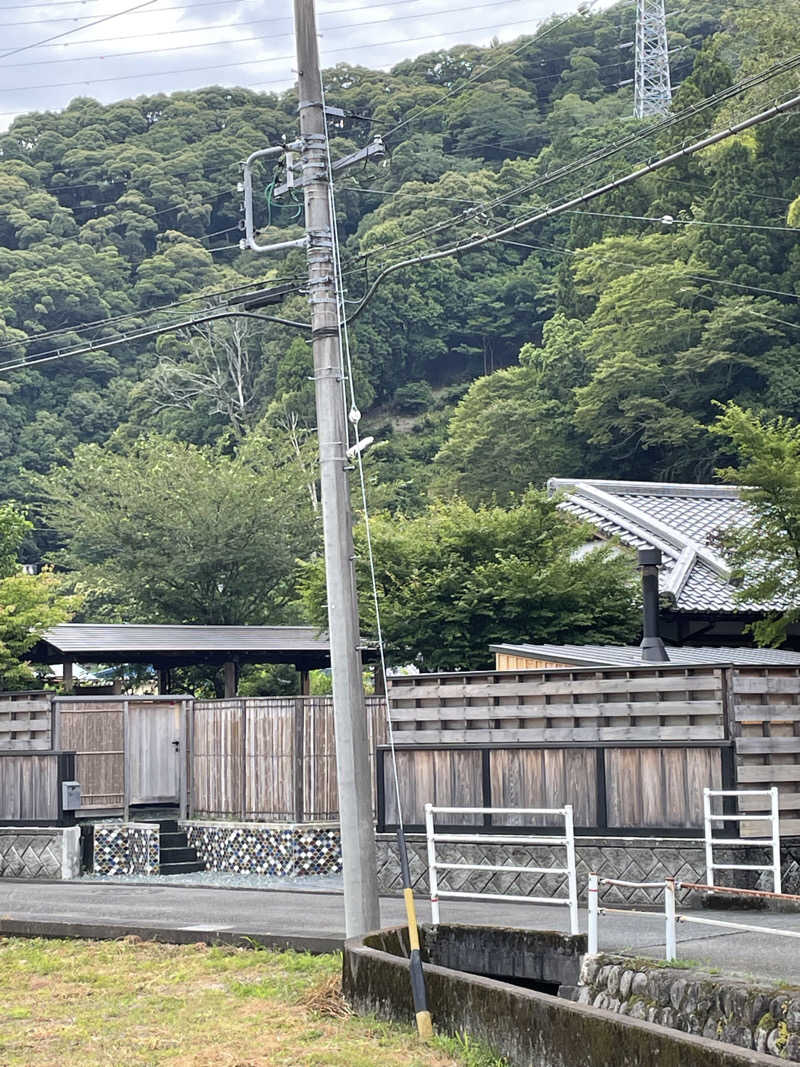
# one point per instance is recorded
(350, 719)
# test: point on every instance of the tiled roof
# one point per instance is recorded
(679, 518)
(631, 655)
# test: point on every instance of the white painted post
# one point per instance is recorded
(572, 879)
(707, 825)
(776, 839)
(594, 913)
(432, 880)
(669, 917)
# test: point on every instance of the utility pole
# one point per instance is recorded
(350, 720)
(652, 88)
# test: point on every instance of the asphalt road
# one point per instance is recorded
(314, 920)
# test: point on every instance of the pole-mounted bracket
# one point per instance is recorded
(375, 150)
(246, 187)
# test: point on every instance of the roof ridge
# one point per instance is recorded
(699, 489)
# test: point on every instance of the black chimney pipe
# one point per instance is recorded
(653, 651)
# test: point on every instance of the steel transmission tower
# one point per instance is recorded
(652, 89)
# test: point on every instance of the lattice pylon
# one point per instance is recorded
(652, 88)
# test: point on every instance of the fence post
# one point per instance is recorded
(572, 878)
(669, 919)
(776, 838)
(189, 758)
(432, 880)
(243, 759)
(594, 913)
(297, 762)
(126, 761)
(707, 831)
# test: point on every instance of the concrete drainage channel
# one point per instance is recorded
(512, 989)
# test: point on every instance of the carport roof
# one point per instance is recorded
(168, 645)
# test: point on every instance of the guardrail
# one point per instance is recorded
(670, 917)
(567, 840)
(773, 841)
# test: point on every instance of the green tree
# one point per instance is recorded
(764, 548)
(169, 532)
(457, 579)
(29, 604)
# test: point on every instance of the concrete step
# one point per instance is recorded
(188, 867)
(178, 839)
(178, 855)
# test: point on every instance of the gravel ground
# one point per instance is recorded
(328, 883)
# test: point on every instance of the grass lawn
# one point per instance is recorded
(130, 1002)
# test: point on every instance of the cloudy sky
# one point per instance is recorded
(163, 45)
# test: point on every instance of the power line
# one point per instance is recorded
(467, 244)
(639, 266)
(75, 29)
(213, 27)
(183, 8)
(668, 220)
(253, 62)
(479, 74)
(597, 156)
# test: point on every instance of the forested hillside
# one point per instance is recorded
(596, 343)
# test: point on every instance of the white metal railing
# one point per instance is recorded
(670, 916)
(567, 840)
(773, 841)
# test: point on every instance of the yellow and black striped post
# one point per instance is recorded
(423, 1016)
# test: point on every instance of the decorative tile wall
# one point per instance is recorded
(281, 850)
(126, 848)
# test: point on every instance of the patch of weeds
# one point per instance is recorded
(469, 1051)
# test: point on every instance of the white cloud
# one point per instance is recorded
(227, 42)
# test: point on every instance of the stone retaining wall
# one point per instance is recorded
(633, 859)
(40, 851)
(752, 1015)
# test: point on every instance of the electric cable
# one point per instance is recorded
(76, 29)
(252, 62)
(477, 241)
(419, 993)
(669, 220)
(586, 254)
(212, 27)
(600, 155)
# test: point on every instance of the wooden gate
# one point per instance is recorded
(153, 746)
(128, 750)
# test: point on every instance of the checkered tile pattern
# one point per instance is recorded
(281, 851)
(125, 848)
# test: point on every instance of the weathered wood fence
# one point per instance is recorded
(25, 721)
(269, 758)
(630, 748)
(30, 786)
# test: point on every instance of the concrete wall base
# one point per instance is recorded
(522, 1025)
(51, 852)
(633, 859)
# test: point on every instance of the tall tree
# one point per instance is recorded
(457, 579)
(169, 532)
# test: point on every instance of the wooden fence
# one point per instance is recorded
(269, 758)
(30, 786)
(630, 748)
(25, 721)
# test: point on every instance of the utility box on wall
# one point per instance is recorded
(70, 796)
